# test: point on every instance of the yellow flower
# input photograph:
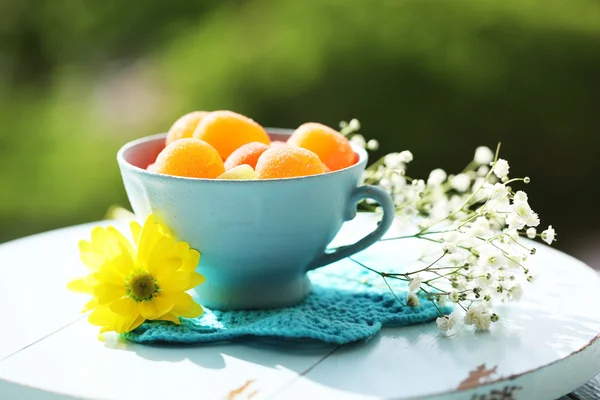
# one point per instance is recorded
(133, 283)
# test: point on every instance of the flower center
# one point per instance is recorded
(142, 287)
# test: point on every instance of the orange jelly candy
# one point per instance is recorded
(246, 154)
(185, 126)
(288, 162)
(189, 157)
(332, 147)
(226, 131)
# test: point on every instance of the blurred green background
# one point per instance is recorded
(79, 78)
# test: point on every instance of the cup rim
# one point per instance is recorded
(124, 164)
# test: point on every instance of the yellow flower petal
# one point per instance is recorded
(93, 260)
(148, 238)
(178, 282)
(136, 231)
(136, 322)
(122, 324)
(196, 279)
(152, 309)
(80, 286)
(102, 316)
(90, 305)
(86, 247)
(107, 293)
(126, 307)
(191, 261)
(109, 274)
(121, 239)
(100, 237)
(186, 306)
(170, 317)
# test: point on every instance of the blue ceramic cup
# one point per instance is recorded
(257, 238)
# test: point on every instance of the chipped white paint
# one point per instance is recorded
(543, 347)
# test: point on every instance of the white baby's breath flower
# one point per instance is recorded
(398, 181)
(354, 125)
(480, 228)
(449, 247)
(501, 168)
(549, 235)
(491, 257)
(453, 297)
(447, 322)
(479, 317)
(531, 233)
(373, 145)
(515, 260)
(514, 222)
(415, 284)
(393, 161)
(483, 155)
(359, 140)
(412, 300)
(437, 177)
(516, 292)
(498, 191)
(455, 258)
(405, 156)
(520, 197)
(524, 214)
(461, 182)
(442, 300)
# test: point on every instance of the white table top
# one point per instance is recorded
(543, 347)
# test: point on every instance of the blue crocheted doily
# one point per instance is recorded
(347, 304)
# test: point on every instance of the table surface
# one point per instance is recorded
(543, 345)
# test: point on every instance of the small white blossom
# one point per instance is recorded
(516, 292)
(455, 258)
(405, 156)
(449, 247)
(354, 124)
(524, 215)
(372, 145)
(412, 300)
(393, 161)
(480, 228)
(531, 233)
(520, 197)
(515, 260)
(359, 140)
(415, 284)
(514, 222)
(419, 185)
(461, 182)
(497, 191)
(442, 300)
(479, 317)
(491, 257)
(447, 322)
(453, 296)
(549, 235)
(501, 168)
(437, 177)
(483, 170)
(483, 155)
(398, 181)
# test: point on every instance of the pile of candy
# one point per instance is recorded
(228, 145)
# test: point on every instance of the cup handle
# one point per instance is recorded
(389, 210)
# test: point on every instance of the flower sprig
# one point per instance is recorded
(476, 222)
